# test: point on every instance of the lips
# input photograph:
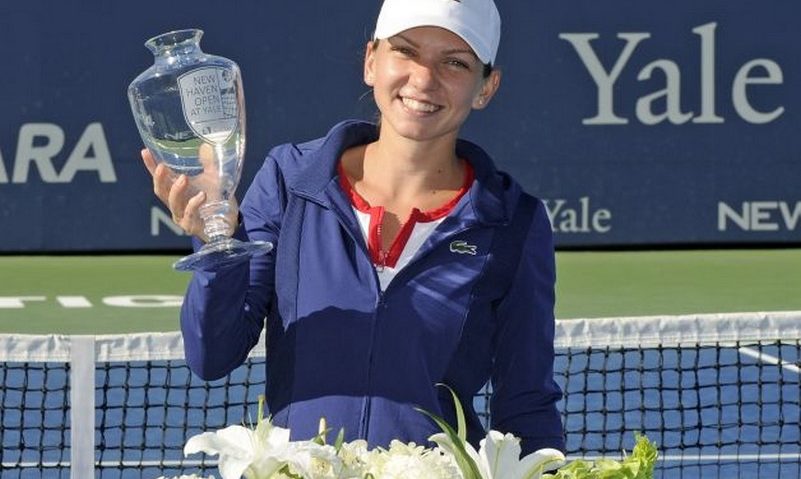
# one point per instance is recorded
(419, 106)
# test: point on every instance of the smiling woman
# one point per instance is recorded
(403, 257)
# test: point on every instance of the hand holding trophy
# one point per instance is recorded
(189, 108)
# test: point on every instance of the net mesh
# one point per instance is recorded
(719, 394)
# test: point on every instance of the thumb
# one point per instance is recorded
(208, 158)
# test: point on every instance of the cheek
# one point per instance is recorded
(465, 95)
(387, 73)
(383, 88)
(463, 88)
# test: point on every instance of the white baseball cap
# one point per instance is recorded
(476, 21)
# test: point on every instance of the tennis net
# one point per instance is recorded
(719, 394)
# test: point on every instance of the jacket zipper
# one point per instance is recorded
(364, 423)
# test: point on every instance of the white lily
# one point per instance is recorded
(255, 454)
(354, 456)
(498, 457)
(312, 460)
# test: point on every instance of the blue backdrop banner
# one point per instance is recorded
(639, 123)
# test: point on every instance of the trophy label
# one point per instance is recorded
(208, 99)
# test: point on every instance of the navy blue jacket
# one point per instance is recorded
(340, 348)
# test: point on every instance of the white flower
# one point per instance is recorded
(499, 457)
(314, 461)
(255, 454)
(409, 461)
(354, 457)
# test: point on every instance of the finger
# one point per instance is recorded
(147, 158)
(207, 157)
(192, 209)
(176, 199)
(191, 221)
(162, 183)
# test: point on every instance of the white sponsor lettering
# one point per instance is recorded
(42, 155)
(581, 218)
(129, 301)
(144, 301)
(160, 217)
(605, 82)
(760, 216)
(3, 173)
(742, 79)
(73, 301)
(38, 144)
(17, 302)
(707, 34)
(672, 113)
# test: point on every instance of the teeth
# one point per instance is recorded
(419, 105)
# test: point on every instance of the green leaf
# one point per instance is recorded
(466, 463)
(639, 465)
(340, 440)
(285, 471)
(322, 432)
(262, 399)
(461, 424)
(645, 454)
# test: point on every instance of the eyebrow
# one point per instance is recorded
(446, 52)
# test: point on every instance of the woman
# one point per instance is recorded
(403, 258)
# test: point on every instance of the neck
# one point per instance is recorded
(406, 168)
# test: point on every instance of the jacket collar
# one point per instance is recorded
(491, 196)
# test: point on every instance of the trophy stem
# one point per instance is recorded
(221, 250)
(215, 220)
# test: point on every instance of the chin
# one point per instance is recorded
(420, 130)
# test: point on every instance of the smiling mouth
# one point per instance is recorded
(419, 106)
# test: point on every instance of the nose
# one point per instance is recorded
(424, 76)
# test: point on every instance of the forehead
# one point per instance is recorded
(435, 38)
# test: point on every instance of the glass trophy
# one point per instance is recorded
(189, 108)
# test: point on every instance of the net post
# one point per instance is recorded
(82, 406)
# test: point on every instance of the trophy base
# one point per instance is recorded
(224, 253)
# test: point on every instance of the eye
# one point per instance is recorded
(458, 63)
(405, 51)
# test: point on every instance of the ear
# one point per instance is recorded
(369, 64)
(489, 86)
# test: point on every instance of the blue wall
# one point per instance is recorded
(695, 138)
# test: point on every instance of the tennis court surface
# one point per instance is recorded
(125, 294)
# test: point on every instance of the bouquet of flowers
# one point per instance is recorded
(265, 452)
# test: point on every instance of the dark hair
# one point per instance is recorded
(486, 72)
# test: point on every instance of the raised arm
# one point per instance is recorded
(224, 310)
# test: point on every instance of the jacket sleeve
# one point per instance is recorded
(524, 391)
(224, 309)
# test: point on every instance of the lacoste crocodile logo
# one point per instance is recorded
(462, 247)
